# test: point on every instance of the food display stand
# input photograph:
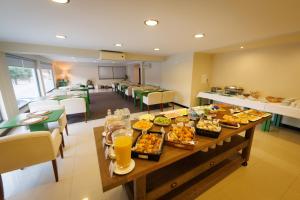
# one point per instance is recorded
(275, 108)
(180, 173)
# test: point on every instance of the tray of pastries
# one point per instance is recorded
(148, 146)
(208, 128)
(181, 136)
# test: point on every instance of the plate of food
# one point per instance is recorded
(148, 117)
(229, 124)
(182, 119)
(251, 118)
(33, 120)
(175, 113)
(142, 125)
(208, 128)
(148, 146)
(42, 112)
(181, 136)
(257, 113)
(235, 119)
(162, 121)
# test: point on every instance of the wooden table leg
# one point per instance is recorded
(139, 188)
(246, 151)
(1, 189)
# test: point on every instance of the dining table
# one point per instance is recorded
(17, 121)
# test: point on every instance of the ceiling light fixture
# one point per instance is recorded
(241, 47)
(199, 35)
(61, 36)
(61, 1)
(151, 22)
(118, 45)
(156, 49)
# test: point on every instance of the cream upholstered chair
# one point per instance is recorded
(76, 92)
(59, 92)
(62, 122)
(23, 150)
(168, 97)
(75, 106)
(128, 91)
(153, 98)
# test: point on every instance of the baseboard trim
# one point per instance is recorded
(177, 104)
(290, 127)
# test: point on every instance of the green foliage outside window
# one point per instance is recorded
(19, 73)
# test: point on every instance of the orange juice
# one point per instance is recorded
(122, 147)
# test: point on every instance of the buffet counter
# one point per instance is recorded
(275, 108)
(181, 173)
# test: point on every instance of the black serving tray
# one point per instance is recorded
(148, 156)
(207, 133)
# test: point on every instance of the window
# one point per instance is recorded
(107, 72)
(24, 80)
(1, 118)
(47, 76)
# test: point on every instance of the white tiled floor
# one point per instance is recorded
(273, 171)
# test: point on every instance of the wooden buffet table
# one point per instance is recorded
(181, 174)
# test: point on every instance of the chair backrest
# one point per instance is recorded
(74, 105)
(154, 98)
(129, 89)
(38, 105)
(59, 92)
(76, 92)
(168, 96)
(22, 150)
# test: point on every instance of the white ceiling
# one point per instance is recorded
(99, 24)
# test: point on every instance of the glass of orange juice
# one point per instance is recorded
(122, 142)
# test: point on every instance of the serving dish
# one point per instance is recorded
(148, 117)
(251, 118)
(229, 124)
(235, 119)
(208, 128)
(148, 146)
(182, 119)
(257, 113)
(181, 137)
(162, 121)
(142, 125)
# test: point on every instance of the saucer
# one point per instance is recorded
(125, 171)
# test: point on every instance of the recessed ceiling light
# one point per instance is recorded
(156, 49)
(118, 45)
(61, 1)
(241, 47)
(151, 22)
(199, 35)
(61, 36)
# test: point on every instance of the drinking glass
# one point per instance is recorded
(122, 142)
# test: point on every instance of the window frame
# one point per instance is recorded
(37, 72)
(42, 78)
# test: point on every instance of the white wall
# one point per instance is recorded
(272, 71)
(80, 72)
(152, 73)
(176, 74)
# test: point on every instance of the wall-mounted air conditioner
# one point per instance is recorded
(111, 55)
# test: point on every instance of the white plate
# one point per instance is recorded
(33, 120)
(42, 112)
(124, 171)
(228, 126)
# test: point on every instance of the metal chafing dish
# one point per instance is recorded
(215, 89)
(233, 90)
